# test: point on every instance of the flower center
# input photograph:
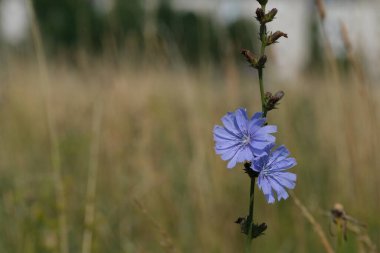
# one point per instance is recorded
(246, 139)
(265, 171)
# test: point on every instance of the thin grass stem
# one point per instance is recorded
(54, 143)
(317, 227)
(250, 214)
(89, 217)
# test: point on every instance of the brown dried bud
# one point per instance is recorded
(338, 211)
(260, 14)
(273, 37)
(271, 101)
(278, 96)
(265, 18)
(250, 57)
(262, 61)
(270, 15)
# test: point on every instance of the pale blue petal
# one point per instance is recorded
(279, 154)
(257, 116)
(245, 155)
(284, 164)
(221, 133)
(270, 129)
(264, 138)
(229, 123)
(286, 179)
(270, 198)
(241, 120)
(259, 162)
(280, 190)
(228, 154)
(226, 145)
(256, 124)
(232, 162)
(264, 185)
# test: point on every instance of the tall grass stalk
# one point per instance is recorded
(329, 52)
(317, 227)
(89, 217)
(44, 81)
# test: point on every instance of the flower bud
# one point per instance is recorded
(270, 15)
(250, 57)
(271, 101)
(262, 61)
(265, 18)
(260, 15)
(273, 37)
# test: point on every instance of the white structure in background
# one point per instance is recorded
(13, 21)
(361, 18)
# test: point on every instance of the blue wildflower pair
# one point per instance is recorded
(250, 140)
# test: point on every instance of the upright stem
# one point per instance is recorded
(250, 214)
(339, 246)
(261, 81)
(263, 33)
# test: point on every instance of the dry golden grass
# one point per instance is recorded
(160, 187)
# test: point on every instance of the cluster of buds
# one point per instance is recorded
(272, 100)
(263, 17)
(257, 229)
(253, 60)
(266, 39)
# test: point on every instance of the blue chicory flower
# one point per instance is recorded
(272, 167)
(241, 139)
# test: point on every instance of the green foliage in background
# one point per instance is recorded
(72, 25)
(68, 24)
(127, 20)
(195, 37)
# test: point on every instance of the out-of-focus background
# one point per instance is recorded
(106, 116)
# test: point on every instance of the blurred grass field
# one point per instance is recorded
(160, 186)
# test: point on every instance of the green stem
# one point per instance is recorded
(250, 215)
(263, 37)
(340, 237)
(263, 32)
(261, 81)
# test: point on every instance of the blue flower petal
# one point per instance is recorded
(270, 129)
(279, 189)
(241, 120)
(221, 134)
(284, 164)
(245, 155)
(272, 176)
(270, 198)
(229, 123)
(256, 116)
(286, 179)
(256, 124)
(264, 185)
(279, 154)
(233, 161)
(237, 140)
